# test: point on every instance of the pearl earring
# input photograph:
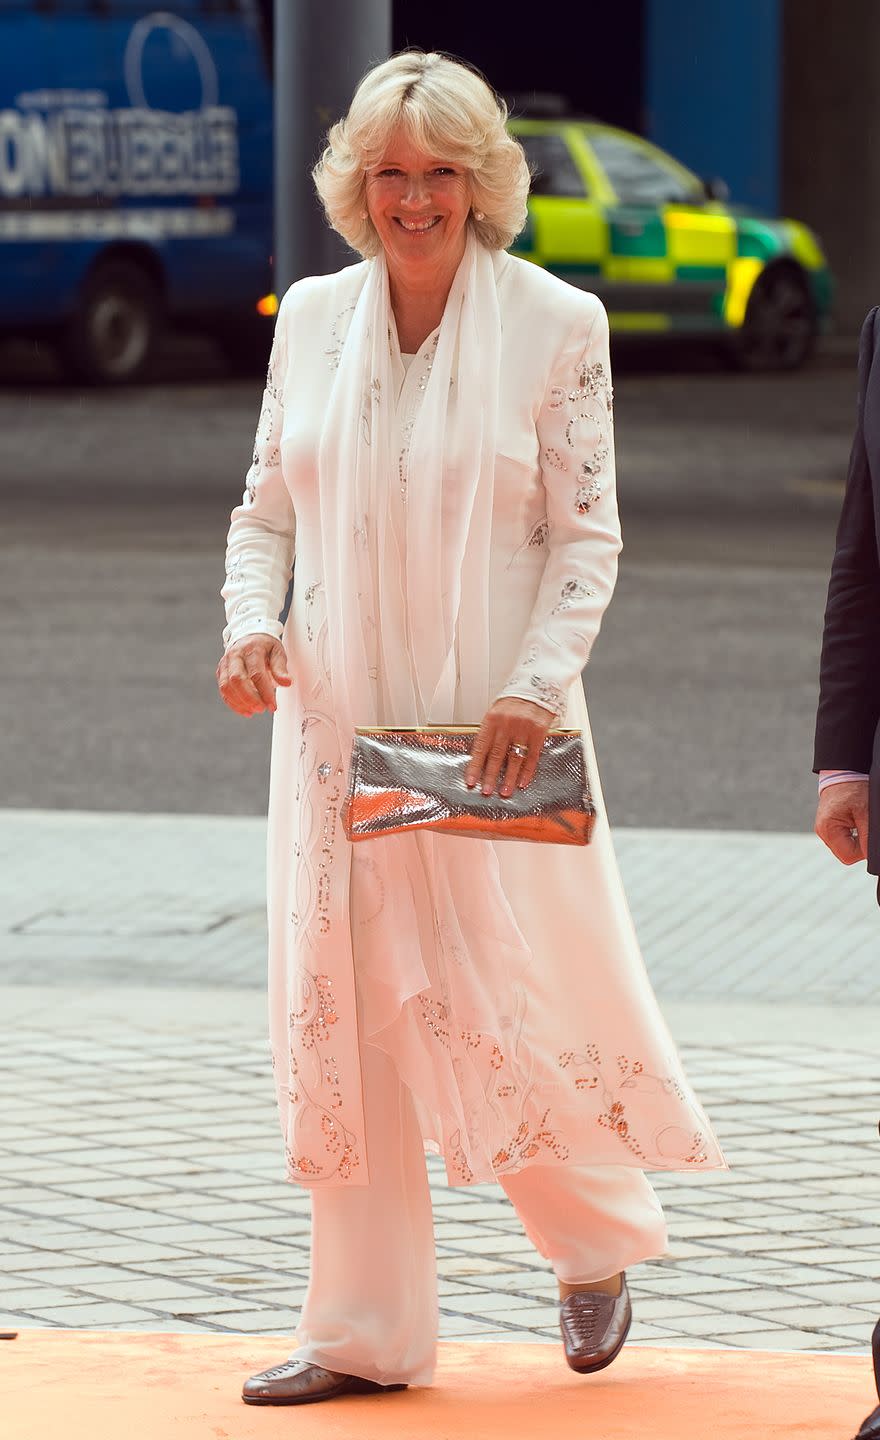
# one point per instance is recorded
(364, 214)
(478, 215)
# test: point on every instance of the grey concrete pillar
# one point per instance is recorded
(831, 141)
(322, 48)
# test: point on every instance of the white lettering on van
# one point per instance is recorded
(88, 150)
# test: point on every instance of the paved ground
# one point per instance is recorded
(140, 1162)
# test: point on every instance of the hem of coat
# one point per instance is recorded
(435, 1143)
(493, 1177)
(575, 1162)
(486, 1174)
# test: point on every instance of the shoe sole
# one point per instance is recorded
(365, 1387)
(596, 1365)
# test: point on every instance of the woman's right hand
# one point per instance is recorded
(249, 672)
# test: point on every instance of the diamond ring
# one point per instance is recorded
(520, 750)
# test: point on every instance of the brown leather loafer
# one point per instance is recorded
(594, 1327)
(297, 1382)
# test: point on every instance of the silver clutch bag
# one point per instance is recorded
(408, 779)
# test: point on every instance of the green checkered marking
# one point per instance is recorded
(714, 274)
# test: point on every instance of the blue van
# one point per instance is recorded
(135, 177)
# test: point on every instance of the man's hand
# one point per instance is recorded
(509, 722)
(249, 672)
(843, 815)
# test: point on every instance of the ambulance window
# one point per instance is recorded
(638, 176)
(553, 169)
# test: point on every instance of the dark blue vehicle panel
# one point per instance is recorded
(124, 125)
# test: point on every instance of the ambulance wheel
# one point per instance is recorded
(112, 336)
(779, 330)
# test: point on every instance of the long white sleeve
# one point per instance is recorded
(262, 530)
(576, 438)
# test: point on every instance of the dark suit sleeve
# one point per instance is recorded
(849, 698)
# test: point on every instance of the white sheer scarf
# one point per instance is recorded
(382, 612)
(408, 635)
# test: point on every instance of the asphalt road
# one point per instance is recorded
(702, 688)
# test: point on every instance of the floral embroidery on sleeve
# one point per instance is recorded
(581, 530)
(572, 590)
(546, 693)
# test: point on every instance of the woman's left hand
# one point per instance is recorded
(510, 722)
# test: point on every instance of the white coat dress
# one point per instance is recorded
(548, 1052)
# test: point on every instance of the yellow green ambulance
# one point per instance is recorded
(664, 250)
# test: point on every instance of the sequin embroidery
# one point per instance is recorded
(316, 1011)
(271, 388)
(593, 382)
(334, 351)
(266, 424)
(458, 1159)
(436, 1016)
(327, 857)
(310, 594)
(548, 693)
(313, 1013)
(572, 591)
(588, 493)
(526, 1143)
(670, 1141)
(535, 540)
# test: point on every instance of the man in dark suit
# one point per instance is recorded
(847, 754)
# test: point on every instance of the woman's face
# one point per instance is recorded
(419, 205)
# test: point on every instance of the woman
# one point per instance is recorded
(435, 447)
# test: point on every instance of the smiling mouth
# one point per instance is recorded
(418, 227)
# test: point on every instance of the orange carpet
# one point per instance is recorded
(87, 1385)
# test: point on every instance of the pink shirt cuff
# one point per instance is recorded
(837, 777)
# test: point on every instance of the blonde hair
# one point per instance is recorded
(446, 109)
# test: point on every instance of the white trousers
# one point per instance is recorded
(371, 1306)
